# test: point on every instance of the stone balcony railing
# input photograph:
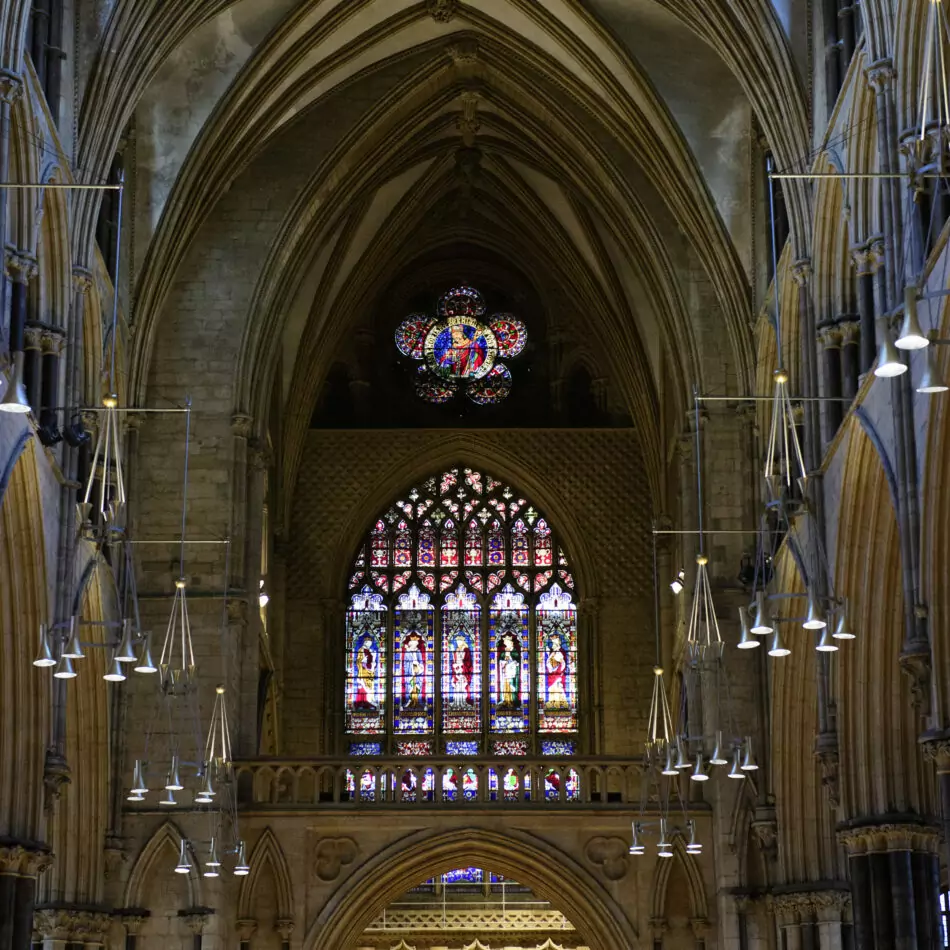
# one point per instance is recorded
(609, 783)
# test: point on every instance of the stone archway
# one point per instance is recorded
(548, 871)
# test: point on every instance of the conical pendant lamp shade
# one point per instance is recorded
(889, 362)
(174, 780)
(241, 869)
(14, 398)
(115, 673)
(718, 757)
(681, 761)
(699, 773)
(746, 641)
(826, 644)
(64, 669)
(184, 862)
(762, 624)
(635, 846)
(932, 380)
(125, 653)
(669, 768)
(73, 646)
(911, 337)
(735, 771)
(138, 779)
(843, 628)
(44, 655)
(664, 847)
(694, 847)
(778, 647)
(815, 619)
(748, 761)
(146, 664)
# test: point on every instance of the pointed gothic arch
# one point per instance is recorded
(267, 852)
(163, 844)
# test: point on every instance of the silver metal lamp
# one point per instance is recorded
(14, 398)
(815, 618)
(746, 641)
(762, 624)
(44, 655)
(911, 336)
(73, 647)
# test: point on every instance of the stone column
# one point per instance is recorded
(241, 430)
(11, 88)
(246, 928)
(20, 269)
(61, 927)
(591, 689)
(893, 876)
(53, 343)
(850, 330)
(19, 867)
(866, 262)
(811, 444)
(133, 920)
(285, 927)
(830, 908)
(33, 365)
(829, 339)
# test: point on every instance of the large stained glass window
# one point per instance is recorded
(461, 632)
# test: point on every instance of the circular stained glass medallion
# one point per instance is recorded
(493, 388)
(510, 333)
(433, 389)
(411, 335)
(460, 348)
(461, 301)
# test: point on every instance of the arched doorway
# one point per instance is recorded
(549, 873)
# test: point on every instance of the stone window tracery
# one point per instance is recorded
(461, 627)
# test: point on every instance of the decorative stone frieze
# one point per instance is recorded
(21, 266)
(876, 839)
(71, 925)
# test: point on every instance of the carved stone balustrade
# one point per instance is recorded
(447, 782)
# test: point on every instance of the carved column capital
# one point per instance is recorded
(52, 341)
(21, 266)
(829, 336)
(850, 331)
(246, 928)
(132, 919)
(196, 918)
(765, 831)
(71, 925)
(890, 836)
(285, 927)
(33, 338)
(937, 750)
(82, 280)
(881, 74)
(801, 271)
(24, 861)
(241, 424)
(11, 86)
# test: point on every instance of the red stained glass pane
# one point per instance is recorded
(379, 546)
(449, 549)
(426, 545)
(520, 556)
(402, 556)
(473, 545)
(543, 545)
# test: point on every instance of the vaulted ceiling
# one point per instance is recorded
(603, 149)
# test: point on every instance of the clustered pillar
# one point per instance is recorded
(19, 867)
(894, 885)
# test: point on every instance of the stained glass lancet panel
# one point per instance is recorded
(413, 664)
(508, 662)
(366, 664)
(556, 623)
(543, 545)
(473, 545)
(461, 663)
(379, 546)
(449, 549)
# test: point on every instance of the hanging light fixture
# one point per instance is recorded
(763, 619)
(635, 846)
(138, 779)
(703, 630)
(664, 848)
(115, 673)
(126, 653)
(678, 582)
(699, 773)
(184, 862)
(15, 399)
(241, 869)
(669, 769)
(746, 641)
(73, 649)
(718, 757)
(109, 450)
(134, 797)
(44, 655)
(736, 771)
(64, 669)
(815, 618)
(783, 458)
(218, 746)
(146, 664)
(748, 761)
(911, 336)
(659, 727)
(206, 795)
(889, 362)
(826, 644)
(212, 864)
(263, 598)
(178, 636)
(932, 380)
(173, 781)
(694, 847)
(169, 798)
(681, 761)
(778, 647)
(843, 628)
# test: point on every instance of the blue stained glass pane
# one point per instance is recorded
(558, 747)
(366, 748)
(464, 747)
(464, 876)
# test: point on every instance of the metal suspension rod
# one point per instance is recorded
(115, 282)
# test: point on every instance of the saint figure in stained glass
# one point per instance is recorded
(509, 672)
(413, 672)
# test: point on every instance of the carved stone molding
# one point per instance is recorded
(82, 280)
(896, 836)
(805, 905)
(285, 927)
(765, 831)
(246, 928)
(916, 664)
(331, 855)
(11, 86)
(24, 861)
(133, 919)
(442, 10)
(196, 918)
(21, 266)
(881, 74)
(801, 271)
(468, 122)
(937, 750)
(830, 336)
(850, 331)
(610, 855)
(241, 425)
(56, 774)
(71, 925)
(464, 53)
